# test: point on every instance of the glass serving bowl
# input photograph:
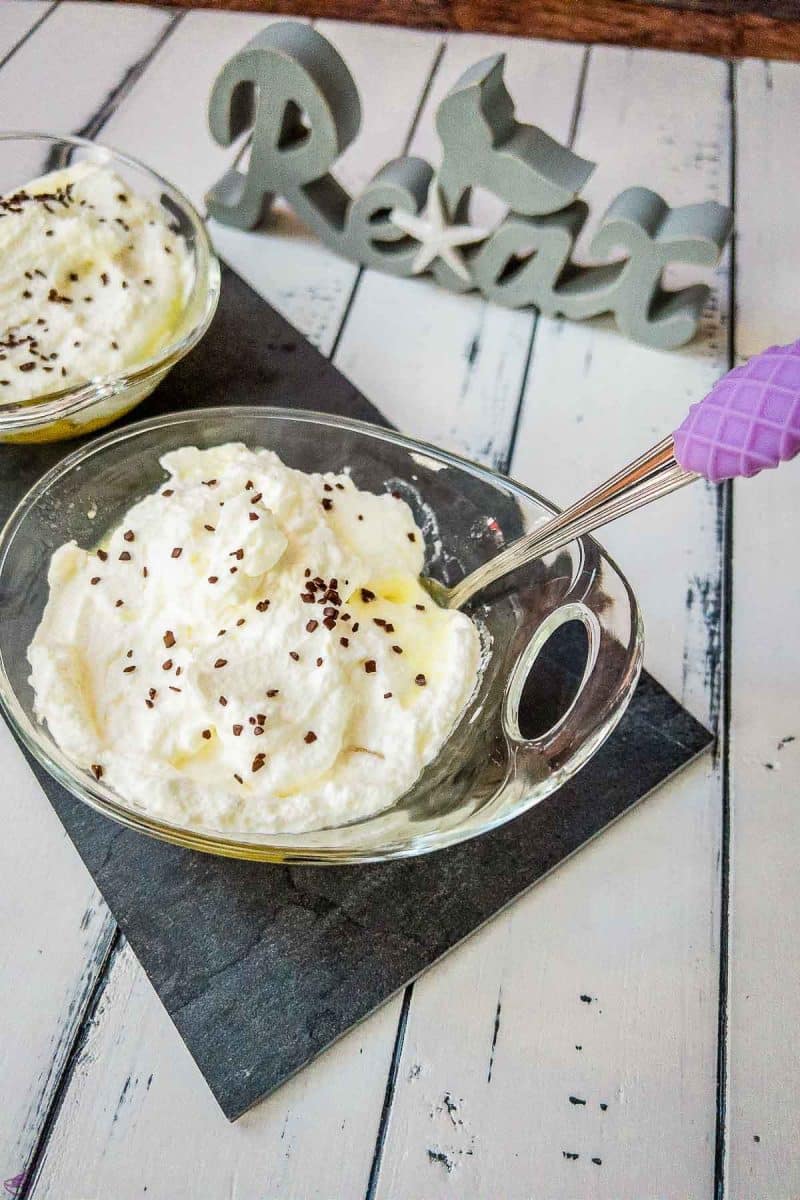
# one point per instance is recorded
(91, 405)
(487, 772)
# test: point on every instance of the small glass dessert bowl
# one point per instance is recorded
(496, 762)
(94, 389)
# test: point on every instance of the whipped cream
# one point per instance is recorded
(251, 649)
(92, 281)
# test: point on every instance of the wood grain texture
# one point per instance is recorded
(56, 928)
(499, 1048)
(621, 22)
(114, 1134)
(764, 961)
(631, 923)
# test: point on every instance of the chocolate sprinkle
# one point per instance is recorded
(129, 535)
(213, 578)
(177, 551)
(94, 579)
(237, 730)
(367, 596)
(262, 605)
(166, 665)
(97, 770)
(101, 554)
(206, 734)
(258, 762)
(169, 639)
(223, 701)
(310, 737)
(125, 556)
(220, 662)
(370, 666)
(343, 641)
(327, 504)
(293, 654)
(397, 649)
(311, 626)
(420, 679)
(272, 692)
(127, 670)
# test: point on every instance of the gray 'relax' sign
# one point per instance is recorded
(293, 91)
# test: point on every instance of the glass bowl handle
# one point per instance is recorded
(601, 600)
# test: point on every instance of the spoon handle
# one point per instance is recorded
(749, 421)
(652, 475)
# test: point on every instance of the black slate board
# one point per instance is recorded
(261, 967)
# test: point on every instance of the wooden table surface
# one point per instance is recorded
(489, 1077)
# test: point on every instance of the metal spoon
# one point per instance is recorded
(749, 421)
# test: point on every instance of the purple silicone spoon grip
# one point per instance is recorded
(748, 421)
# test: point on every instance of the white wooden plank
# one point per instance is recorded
(138, 1117)
(17, 17)
(306, 282)
(56, 929)
(764, 962)
(64, 73)
(450, 368)
(164, 120)
(631, 923)
(101, 1147)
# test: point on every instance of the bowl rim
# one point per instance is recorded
(19, 416)
(284, 847)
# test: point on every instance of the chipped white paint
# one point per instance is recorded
(764, 1061)
(56, 928)
(55, 934)
(138, 1114)
(500, 1048)
(633, 921)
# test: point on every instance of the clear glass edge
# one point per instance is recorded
(27, 416)
(289, 847)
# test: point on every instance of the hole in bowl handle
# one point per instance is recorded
(610, 673)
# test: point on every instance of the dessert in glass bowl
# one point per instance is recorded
(251, 648)
(490, 766)
(106, 280)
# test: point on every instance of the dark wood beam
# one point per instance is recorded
(732, 28)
